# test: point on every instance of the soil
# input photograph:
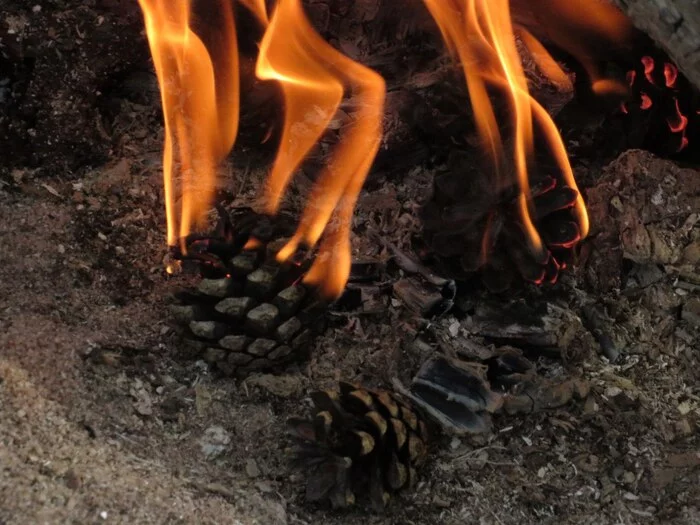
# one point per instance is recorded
(104, 419)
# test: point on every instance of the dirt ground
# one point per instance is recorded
(103, 419)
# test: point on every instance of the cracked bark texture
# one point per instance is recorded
(674, 25)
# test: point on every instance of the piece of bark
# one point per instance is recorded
(674, 25)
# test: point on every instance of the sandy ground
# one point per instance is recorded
(102, 419)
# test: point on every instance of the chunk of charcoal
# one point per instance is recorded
(261, 347)
(208, 329)
(237, 359)
(279, 353)
(262, 319)
(286, 330)
(290, 299)
(212, 355)
(235, 343)
(260, 282)
(216, 287)
(243, 263)
(235, 307)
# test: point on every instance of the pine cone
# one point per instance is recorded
(249, 312)
(471, 228)
(359, 441)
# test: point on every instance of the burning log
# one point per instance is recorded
(249, 312)
(674, 25)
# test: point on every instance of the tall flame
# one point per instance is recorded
(199, 94)
(314, 78)
(481, 35)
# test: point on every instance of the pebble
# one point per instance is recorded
(252, 469)
(214, 441)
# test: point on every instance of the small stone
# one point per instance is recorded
(72, 479)
(262, 319)
(214, 441)
(208, 329)
(212, 355)
(289, 300)
(251, 468)
(286, 330)
(243, 263)
(260, 282)
(215, 287)
(261, 347)
(61, 249)
(235, 307)
(235, 343)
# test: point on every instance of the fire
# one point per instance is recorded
(314, 78)
(481, 34)
(199, 94)
(198, 77)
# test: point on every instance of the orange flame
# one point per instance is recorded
(481, 34)
(314, 77)
(199, 94)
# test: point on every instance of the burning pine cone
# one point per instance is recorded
(471, 229)
(249, 312)
(359, 441)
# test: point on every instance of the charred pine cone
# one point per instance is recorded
(359, 441)
(472, 229)
(249, 312)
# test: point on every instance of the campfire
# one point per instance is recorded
(510, 211)
(264, 259)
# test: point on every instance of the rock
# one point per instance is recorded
(284, 386)
(214, 441)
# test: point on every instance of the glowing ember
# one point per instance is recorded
(648, 63)
(199, 93)
(670, 74)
